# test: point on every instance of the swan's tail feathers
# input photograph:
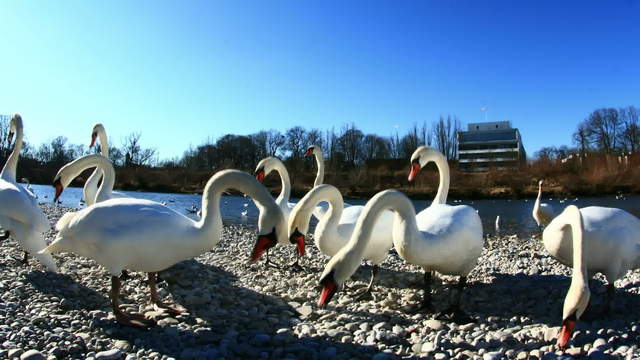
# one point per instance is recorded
(65, 220)
(55, 246)
(47, 261)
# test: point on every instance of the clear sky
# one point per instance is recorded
(182, 71)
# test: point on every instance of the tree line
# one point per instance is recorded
(604, 130)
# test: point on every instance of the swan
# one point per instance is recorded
(335, 228)
(420, 158)
(577, 298)
(447, 239)
(90, 188)
(543, 213)
(143, 235)
(104, 168)
(20, 215)
(611, 243)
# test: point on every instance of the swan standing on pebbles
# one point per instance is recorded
(335, 228)
(611, 243)
(543, 213)
(449, 241)
(577, 297)
(143, 235)
(20, 215)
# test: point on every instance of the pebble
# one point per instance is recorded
(32, 355)
(109, 354)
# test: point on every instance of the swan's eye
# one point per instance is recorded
(309, 151)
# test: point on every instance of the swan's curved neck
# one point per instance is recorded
(320, 162)
(404, 225)
(285, 182)
(10, 167)
(223, 181)
(104, 142)
(102, 165)
(330, 221)
(578, 294)
(443, 187)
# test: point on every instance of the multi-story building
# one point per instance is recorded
(490, 144)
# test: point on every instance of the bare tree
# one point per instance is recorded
(581, 137)
(296, 139)
(375, 147)
(604, 129)
(444, 133)
(350, 143)
(135, 155)
(631, 128)
(314, 136)
(275, 142)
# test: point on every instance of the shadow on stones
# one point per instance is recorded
(226, 321)
(76, 295)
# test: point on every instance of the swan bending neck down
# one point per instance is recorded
(542, 213)
(147, 236)
(316, 151)
(450, 242)
(20, 214)
(266, 166)
(90, 189)
(420, 158)
(70, 171)
(577, 297)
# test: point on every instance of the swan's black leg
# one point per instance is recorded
(366, 294)
(295, 266)
(25, 259)
(454, 311)
(271, 263)
(123, 317)
(170, 307)
(5, 235)
(611, 292)
(426, 304)
(124, 275)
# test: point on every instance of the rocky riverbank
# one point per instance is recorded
(242, 310)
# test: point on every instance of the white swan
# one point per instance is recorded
(143, 235)
(90, 188)
(20, 215)
(420, 158)
(447, 239)
(611, 243)
(542, 213)
(266, 166)
(335, 228)
(577, 297)
(104, 168)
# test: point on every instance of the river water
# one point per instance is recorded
(515, 215)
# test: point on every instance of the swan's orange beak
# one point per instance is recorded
(93, 139)
(566, 331)
(58, 186)
(298, 238)
(329, 288)
(264, 243)
(260, 175)
(415, 169)
(309, 152)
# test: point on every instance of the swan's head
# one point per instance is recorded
(575, 303)
(65, 176)
(272, 229)
(313, 150)
(540, 183)
(97, 129)
(265, 166)
(421, 157)
(299, 225)
(15, 124)
(57, 184)
(337, 271)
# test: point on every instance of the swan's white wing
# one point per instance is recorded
(118, 195)
(16, 203)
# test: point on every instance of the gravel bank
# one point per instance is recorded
(241, 310)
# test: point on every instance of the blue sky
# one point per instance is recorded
(180, 72)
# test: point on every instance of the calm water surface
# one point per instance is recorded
(515, 215)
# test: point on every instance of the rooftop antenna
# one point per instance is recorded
(484, 109)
